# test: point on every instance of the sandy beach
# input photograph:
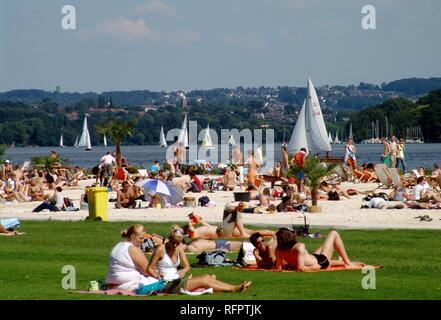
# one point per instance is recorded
(339, 214)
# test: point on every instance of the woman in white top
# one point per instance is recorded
(170, 256)
(127, 264)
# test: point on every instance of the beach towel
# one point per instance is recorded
(10, 223)
(132, 293)
(340, 268)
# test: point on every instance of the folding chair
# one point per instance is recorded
(381, 171)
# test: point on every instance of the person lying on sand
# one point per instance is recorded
(295, 255)
(232, 226)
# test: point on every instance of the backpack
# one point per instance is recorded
(212, 258)
(246, 255)
(203, 201)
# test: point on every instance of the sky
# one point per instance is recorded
(187, 45)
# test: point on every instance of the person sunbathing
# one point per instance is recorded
(125, 197)
(295, 255)
(265, 253)
(35, 191)
(422, 192)
(232, 226)
(6, 232)
(168, 257)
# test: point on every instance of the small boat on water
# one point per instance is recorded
(162, 141)
(61, 142)
(85, 137)
(207, 142)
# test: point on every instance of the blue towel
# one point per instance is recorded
(157, 286)
(10, 223)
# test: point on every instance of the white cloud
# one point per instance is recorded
(157, 7)
(125, 29)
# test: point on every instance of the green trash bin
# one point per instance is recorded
(97, 199)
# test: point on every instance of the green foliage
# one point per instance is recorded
(2, 152)
(315, 170)
(48, 162)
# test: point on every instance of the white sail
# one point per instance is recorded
(298, 136)
(76, 142)
(231, 141)
(88, 143)
(336, 140)
(84, 134)
(162, 140)
(61, 142)
(207, 142)
(105, 141)
(350, 131)
(183, 134)
(330, 137)
(316, 134)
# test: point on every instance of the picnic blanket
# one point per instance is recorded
(340, 268)
(132, 293)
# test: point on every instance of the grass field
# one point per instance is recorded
(30, 265)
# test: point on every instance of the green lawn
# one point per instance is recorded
(30, 265)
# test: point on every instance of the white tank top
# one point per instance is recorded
(167, 268)
(122, 269)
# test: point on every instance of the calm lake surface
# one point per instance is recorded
(416, 155)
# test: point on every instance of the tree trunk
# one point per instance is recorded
(118, 155)
(314, 193)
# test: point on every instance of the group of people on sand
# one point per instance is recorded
(169, 268)
(37, 184)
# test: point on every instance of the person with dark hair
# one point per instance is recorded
(265, 253)
(195, 183)
(285, 205)
(125, 197)
(170, 256)
(55, 204)
(295, 255)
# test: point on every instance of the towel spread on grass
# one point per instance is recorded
(113, 292)
(334, 268)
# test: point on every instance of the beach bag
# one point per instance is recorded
(212, 258)
(203, 201)
(147, 245)
(246, 254)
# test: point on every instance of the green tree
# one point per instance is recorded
(117, 130)
(315, 170)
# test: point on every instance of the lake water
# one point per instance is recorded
(417, 155)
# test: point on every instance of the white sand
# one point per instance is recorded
(340, 214)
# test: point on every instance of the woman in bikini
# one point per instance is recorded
(170, 263)
(295, 255)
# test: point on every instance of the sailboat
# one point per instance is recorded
(61, 142)
(231, 141)
(85, 137)
(105, 141)
(330, 137)
(183, 134)
(76, 142)
(310, 130)
(162, 141)
(258, 157)
(207, 142)
(336, 140)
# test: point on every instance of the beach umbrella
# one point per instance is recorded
(154, 186)
(176, 194)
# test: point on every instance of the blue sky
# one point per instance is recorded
(203, 44)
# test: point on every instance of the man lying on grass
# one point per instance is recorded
(296, 256)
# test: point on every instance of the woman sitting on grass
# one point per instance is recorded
(296, 256)
(170, 256)
(127, 263)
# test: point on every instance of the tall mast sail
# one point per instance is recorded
(207, 143)
(84, 134)
(231, 141)
(105, 141)
(316, 134)
(183, 134)
(298, 137)
(76, 142)
(162, 140)
(350, 131)
(61, 141)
